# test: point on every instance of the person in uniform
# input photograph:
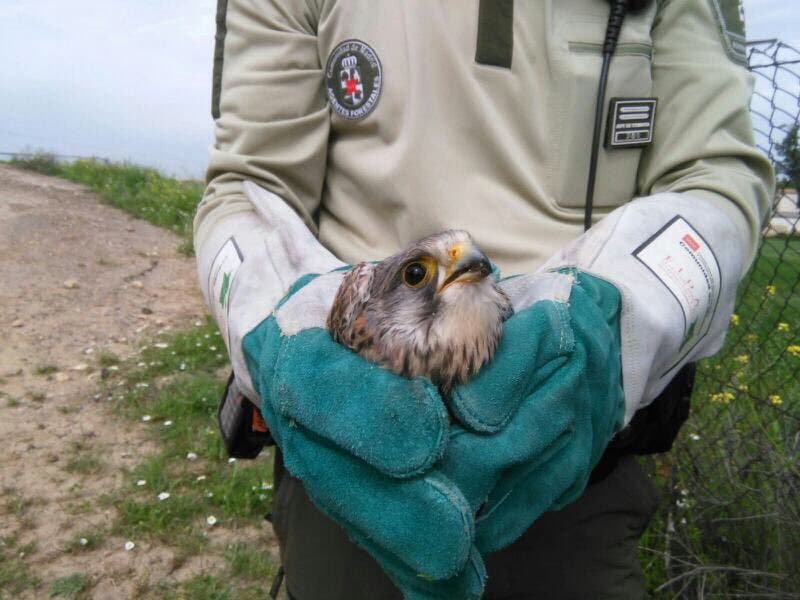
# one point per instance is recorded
(378, 123)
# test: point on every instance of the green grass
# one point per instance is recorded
(173, 387)
(70, 586)
(46, 369)
(731, 482)
(15, 575)
(14, 504)
(246, 561)
(207, 587)
(140, 191)
(84, 541)
(84, 464)
(223, 586)
(40, 161)
(107, 359)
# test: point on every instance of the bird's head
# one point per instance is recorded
(432, 309)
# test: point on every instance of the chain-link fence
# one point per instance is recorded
(730, 524)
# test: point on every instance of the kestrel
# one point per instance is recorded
(430, 310)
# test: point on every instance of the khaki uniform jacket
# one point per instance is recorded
(454, 141)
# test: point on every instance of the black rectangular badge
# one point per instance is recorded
(630, 122)
(495, 33)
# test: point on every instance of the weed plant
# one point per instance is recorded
(189, 487)
(730, 521)
(140, 191)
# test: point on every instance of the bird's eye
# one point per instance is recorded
(414, 274)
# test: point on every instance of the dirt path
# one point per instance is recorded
(79, 278)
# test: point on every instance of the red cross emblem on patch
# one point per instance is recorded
(350, 81)
(353, 80)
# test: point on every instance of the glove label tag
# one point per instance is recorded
(681, 259)
(220, 280)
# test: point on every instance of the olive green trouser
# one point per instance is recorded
(587, 550)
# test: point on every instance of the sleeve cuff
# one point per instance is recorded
(246, 263)
(676, 259)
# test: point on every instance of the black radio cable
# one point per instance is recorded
(619, 9)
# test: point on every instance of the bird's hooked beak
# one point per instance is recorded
(466, 263)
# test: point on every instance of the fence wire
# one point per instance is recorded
(730, 523)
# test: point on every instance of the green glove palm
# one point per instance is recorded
(537, 419)
(364, 441)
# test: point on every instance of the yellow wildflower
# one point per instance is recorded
(751, 338)
(793, 350)
(734, 319)
(743, 359)
(744, 388)
(775, 400)
(723, 397)
(771, 289)
(783, 327)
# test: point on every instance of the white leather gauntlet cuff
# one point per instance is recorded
(676, 259)
(247, 264)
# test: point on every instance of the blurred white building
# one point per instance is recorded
(786, 218)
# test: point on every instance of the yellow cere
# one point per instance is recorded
(454, 252)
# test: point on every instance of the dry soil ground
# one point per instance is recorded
(77, 278)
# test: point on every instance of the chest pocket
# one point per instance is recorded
(578, 32)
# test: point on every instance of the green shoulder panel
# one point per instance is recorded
(219, 53)
(495, 45)
(730, 18)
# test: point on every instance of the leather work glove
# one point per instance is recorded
(654, 290)
(364, 441)
(536, 420)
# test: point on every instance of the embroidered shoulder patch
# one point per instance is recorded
(730, 18)
(354, 79)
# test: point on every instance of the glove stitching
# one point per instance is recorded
(459, 502)
(470, 416)
(434, 453)
(566, 336)
(437, 449)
